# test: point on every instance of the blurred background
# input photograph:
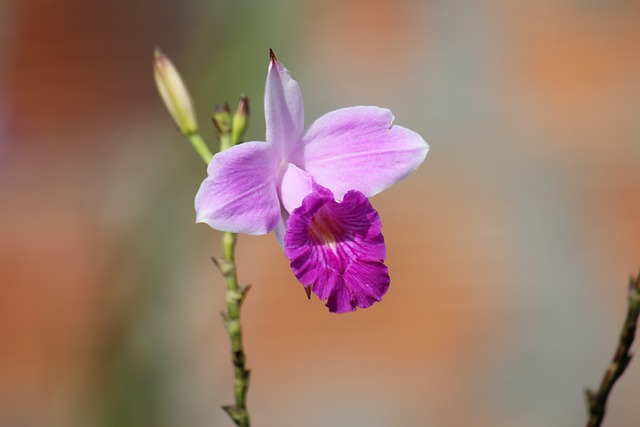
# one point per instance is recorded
(509, 250)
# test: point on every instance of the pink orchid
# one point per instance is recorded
(311, 188)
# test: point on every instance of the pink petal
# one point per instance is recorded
(358, 148)
(240, 195)
(338, 250)
(361, 285)
(281, 228)
(283, 108)
(295, 185)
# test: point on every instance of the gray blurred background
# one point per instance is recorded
(509, 249)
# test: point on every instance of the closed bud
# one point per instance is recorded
(174, 93)
(240, 120)
(222, 119)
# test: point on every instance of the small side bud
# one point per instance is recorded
(222, 119)
(174, 93)
(240, 120)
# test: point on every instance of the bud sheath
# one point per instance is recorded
(174, 93)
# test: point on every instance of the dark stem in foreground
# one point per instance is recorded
(597, 401)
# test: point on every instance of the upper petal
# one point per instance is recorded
(358, 148)
(240, 195)
(283, 108)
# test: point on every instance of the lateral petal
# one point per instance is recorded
(358, 148)
(240, 195)
(283, 108)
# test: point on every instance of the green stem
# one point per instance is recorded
(233, 325)
(226, 141)
(596, 401)
(200, 146)
(234, 296)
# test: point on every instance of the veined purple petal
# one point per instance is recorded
(338, 250)
(358, 148)
(283, 108)
(240, 194)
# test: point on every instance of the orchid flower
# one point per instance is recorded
(311, 188)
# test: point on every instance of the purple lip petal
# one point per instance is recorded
(338, 250)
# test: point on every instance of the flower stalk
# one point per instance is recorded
(229, 131)
(200, 146)
(233, 325)
(597, 401)
(235, 294)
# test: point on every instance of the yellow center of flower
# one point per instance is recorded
(323, 231)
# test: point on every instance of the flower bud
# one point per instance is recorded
(174, 93)
(240, 120)
(222, 119)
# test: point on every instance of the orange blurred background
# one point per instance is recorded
(509, 249)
